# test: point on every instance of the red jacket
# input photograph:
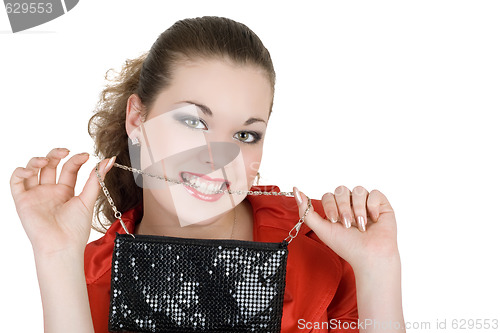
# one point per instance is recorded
(320, 291)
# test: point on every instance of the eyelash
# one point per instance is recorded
(185, 119)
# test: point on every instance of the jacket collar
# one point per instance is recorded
(284, 205)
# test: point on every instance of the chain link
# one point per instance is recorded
(291, 235)
(118, 214)
(175, 181)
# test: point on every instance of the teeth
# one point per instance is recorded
(203, 186)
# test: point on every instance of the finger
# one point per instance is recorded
(48, 172)
(69, 171)
(359, 197)
(34, 165)
(378, 204)
(325, 230)
(92, 187)
(17, 180)
(343, 199)
(330, 207)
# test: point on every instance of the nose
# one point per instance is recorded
(218, 154)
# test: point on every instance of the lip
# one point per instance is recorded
(203, 196)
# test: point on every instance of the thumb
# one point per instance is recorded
(324, 229)
(92, 187)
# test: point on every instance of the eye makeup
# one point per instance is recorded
(191, 121)
(256, 137)
(194, 122)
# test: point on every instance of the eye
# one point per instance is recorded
(194, 123)
(247, 137)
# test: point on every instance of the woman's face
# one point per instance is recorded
(207, 128)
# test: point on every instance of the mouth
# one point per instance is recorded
(204, 187)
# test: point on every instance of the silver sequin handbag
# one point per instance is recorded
(169, 284)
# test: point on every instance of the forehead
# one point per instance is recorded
(223, 86)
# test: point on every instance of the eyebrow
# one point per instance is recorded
(206, 110)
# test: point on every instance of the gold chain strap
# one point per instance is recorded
(291, 234)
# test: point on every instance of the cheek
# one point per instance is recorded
(163, 140)
(252, 161)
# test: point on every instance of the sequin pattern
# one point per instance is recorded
(166, 284)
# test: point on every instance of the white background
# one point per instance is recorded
(399, 96)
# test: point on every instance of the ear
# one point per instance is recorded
(134, 117)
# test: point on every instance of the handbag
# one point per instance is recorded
(170, 284)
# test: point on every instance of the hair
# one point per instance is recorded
(147, 75)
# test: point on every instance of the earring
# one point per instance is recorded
(257, 179)
(135, 141)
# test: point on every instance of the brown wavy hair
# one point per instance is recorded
(206, 37)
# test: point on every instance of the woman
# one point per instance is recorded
(195, 108)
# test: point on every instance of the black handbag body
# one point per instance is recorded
(168, 284)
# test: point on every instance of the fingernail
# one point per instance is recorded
(85, 155)
(110, 164)
(361, 223)
(333, 220)
(297, 195)
(347, 222)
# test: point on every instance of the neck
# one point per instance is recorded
(157, 220)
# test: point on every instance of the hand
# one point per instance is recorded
(372, 242)
(52, 216)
